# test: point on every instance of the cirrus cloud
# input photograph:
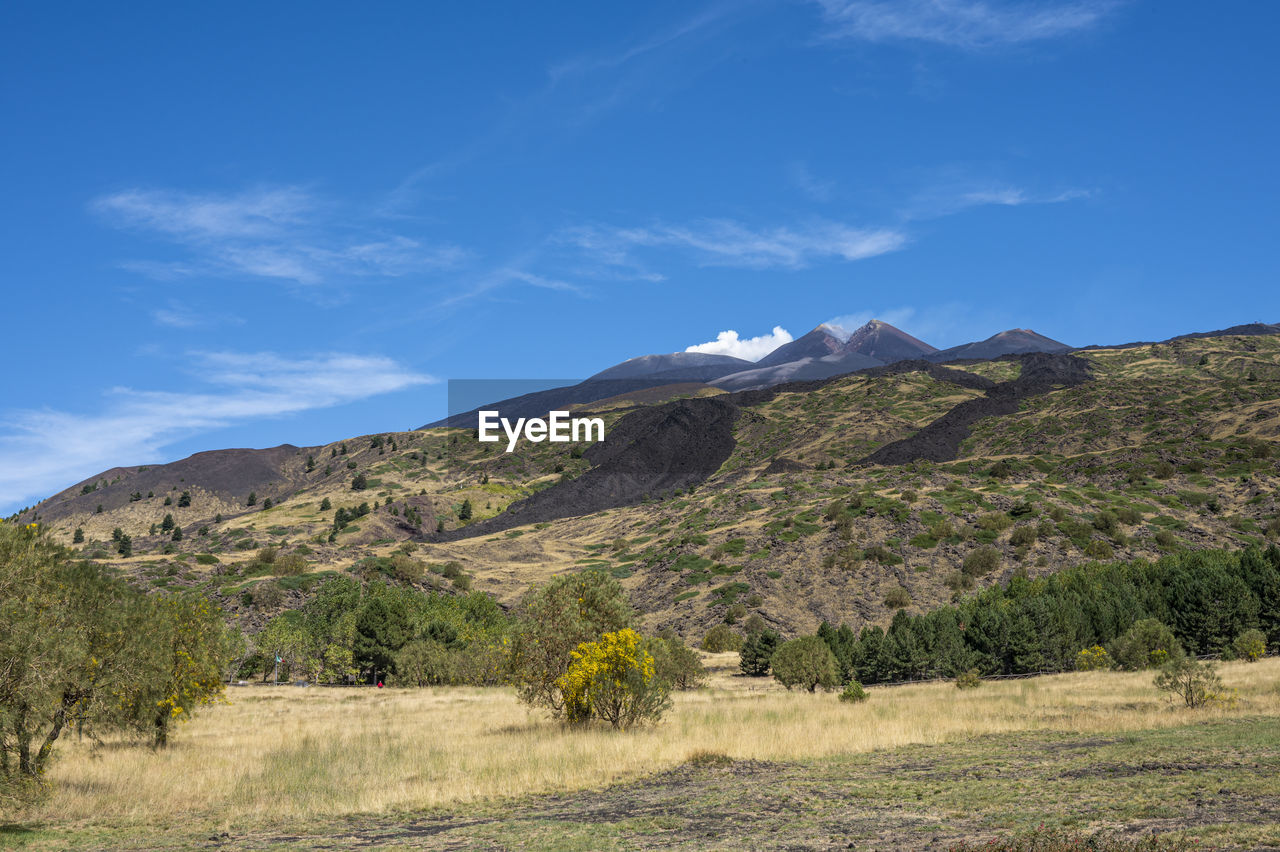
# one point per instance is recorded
(43, 451)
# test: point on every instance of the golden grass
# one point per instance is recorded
(281, 754)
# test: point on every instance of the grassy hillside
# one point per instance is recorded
(1168, 446)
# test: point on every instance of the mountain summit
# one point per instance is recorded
(1015, 341)
(886, 343)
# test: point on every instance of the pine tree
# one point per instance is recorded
(253, 499)
(325, 505)
(78, 536)
(464, 514)
(125, 546)
(177, 534)
(185, 500)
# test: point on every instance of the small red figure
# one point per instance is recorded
(379, 684)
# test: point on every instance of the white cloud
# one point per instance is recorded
(44, 451)
(969, 24)
(284, 233)
(751, 348)
(722, 242)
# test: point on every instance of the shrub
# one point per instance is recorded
(1098, 550)
(942, 530)
(807, 662)
(1147, 644)
(290, 565)
(614, 679)
(1023, 536)
(968, 680)
(1163, 470)
(1194, 682)
(1128, 516)
(757, 652)
(1093, 659)
(995, 522)
(1106, 522)
(721, 638)
(1250, 646)
(676, 664)
(982, 561)
(897, 598)
(555, 619)
(1166, 539)
(853, 693)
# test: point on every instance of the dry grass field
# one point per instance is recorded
(273, 757)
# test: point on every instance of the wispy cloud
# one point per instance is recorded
(594, 63)
(44, 451)
(178, 315)
(949, 198)
(968, 24)
(803, 179)
(750, 348)
(285, 233)
(721, 242)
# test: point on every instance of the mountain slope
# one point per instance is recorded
(818, 343)
(696, 366)
(803, 369)
(1012, 342)
(800, 502)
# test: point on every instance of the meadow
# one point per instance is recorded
(273, 759)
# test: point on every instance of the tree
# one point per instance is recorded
(325, 505)
(722, 638)
(177, 534)
(382, 629)
(806, 662)
(613, 679)
(184, 663)
(1194, 682)
(1250, 645)
(1146, 644)
(125, 546)
(552, 621)
(424, 662)
(252, 499)
(464, 513)
(757, 652)
(267, 504)
(675, 663)
(359, 482)
(78, 536)
(167, 524)
(83, 650)
(185, 500)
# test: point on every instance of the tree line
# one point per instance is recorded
(1207, 600)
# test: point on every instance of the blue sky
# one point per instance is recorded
(250, 224)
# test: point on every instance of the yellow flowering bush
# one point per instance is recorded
(1093, 659)
(613, 679)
